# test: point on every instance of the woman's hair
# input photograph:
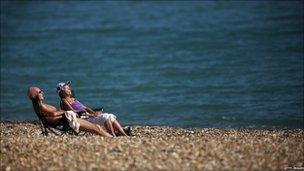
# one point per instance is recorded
(61, 94)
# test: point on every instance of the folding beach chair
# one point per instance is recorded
(46, 127)
(79, 113)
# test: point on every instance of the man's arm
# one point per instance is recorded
(51, 111)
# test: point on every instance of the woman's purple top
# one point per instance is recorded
(76, 105)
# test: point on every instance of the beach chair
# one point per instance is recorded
(58, 129)
(80, 113)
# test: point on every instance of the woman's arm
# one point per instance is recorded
(67, 106)
(89, 110)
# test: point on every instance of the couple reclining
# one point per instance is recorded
(103, 124)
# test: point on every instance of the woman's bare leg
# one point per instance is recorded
(103, 130)
(118, 127)
(89, 127)
(110, 129)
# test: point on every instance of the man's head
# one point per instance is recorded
(35, 92)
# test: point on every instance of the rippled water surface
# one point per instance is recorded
(189, 64)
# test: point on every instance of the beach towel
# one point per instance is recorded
(72, 119)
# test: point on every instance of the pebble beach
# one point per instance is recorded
(23, 147)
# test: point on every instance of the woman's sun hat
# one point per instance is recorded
(61, 85)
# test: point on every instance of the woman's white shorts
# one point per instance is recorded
(101, 119)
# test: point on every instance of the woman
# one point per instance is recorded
(68, 102)
(55, 116)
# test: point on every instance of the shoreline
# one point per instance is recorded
(152, 148)
(266, 128)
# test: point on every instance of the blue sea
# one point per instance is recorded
(222, 64)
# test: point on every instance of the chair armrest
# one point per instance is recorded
(98, 109)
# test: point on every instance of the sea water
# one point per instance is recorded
(188, 64)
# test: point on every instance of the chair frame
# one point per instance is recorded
(45, 127)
